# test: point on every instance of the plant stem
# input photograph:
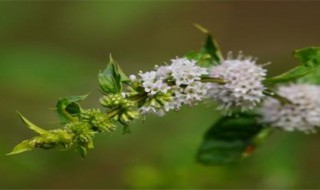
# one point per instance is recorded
(114, 112)
(282, 99)
(213, 80)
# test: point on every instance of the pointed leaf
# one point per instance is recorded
(126, 130)
(82, 151)
(22, 147)
(203, 59)
(69, 107)
(110, 78)
(123, 77)
(210, 47)
(312, 57)
(230, 140)
(310, 62)
(32, 126)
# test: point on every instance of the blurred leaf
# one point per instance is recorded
(310, 59)
(22, 147)
(210, 48)
(231, 139)
(126, 129)
(82, 151)
(123, 77)
(68, 107)
(32, 126)
(313, 77)
(110, 79)
(203, 60)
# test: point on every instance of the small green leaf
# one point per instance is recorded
(203, 60)
(82, 151)
(67, 108)
(110, 80)
(126, 129)
(22, 147)
(123, 77)
(231, 139)
(112, 77)
(210, 47)
(32, 126)
(313, 56)
(310, 59)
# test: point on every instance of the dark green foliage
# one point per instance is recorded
(230, 139)
(69, 107)
(209, 54)
(111, 78)
(310, 61)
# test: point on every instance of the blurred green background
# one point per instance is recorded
(53, 49)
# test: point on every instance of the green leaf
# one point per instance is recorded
(313, 77)
(123, 77)
(67, 108)
(22, 147)
(112, 77)
(82, 151)
(210, 47)
(310, 59)
(32, 126)
(126, 129)
(231, 139)
(203, 60)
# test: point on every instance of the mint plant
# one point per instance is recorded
(252, 104)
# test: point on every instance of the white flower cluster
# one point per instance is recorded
(302, 115)
(180, 79)
(243, 88)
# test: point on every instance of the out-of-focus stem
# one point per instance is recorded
(213, 80)
(282, 99)
(114, 112)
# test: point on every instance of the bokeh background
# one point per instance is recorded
(53, 49)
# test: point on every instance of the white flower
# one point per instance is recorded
(133, 78)
(163, 72)
(153, 85)
(148, 76)
(180, 80)
(243, 88)
(302, 115)
(150, 109)
(186, 71)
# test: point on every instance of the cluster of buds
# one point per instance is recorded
(97, 120)
(122, 109)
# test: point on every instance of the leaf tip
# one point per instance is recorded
(201, 28)
(111, 60)
(21, 117)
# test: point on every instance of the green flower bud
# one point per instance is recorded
(128, 116)
(51, 139)
(159, 100)
(116, 100)
(98, 121)
(83, 134)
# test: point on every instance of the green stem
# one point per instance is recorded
(114, 112)
(282, 99)
(138, 97)
(213, 80)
